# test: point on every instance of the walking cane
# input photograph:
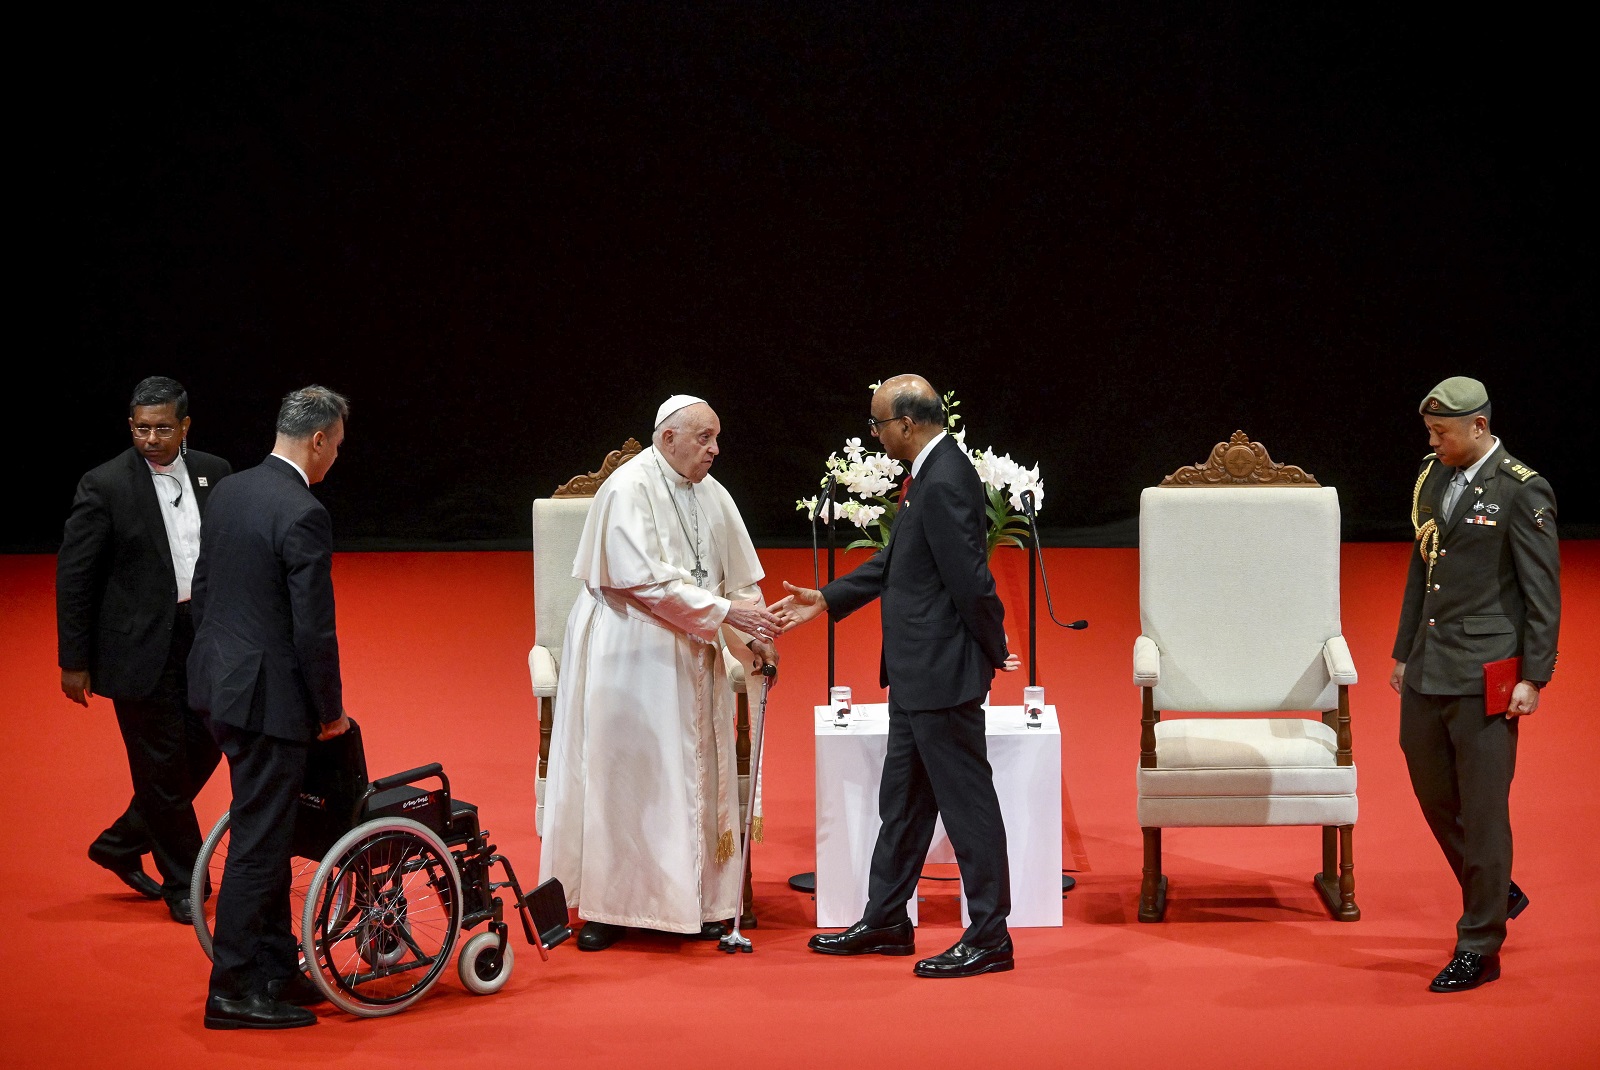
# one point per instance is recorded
(735, 941)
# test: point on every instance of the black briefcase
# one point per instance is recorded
(336, 779)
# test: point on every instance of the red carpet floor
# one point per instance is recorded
(1247, 972)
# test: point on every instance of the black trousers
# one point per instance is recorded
(1461, 765)
(938, 765)
(253, 941)
(171, 755)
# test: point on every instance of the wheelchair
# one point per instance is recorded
(387, 877)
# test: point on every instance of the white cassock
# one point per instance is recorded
(642, 803)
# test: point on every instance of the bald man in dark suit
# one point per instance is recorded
(943, 639)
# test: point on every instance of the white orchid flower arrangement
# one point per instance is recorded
(872, 479)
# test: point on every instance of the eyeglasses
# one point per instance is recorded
(160, 431)
(873, 424)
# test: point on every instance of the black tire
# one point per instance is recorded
(381, 917)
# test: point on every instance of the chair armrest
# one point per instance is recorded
(736, 675)
(1336, 656)
(542, 667)
(1146, 662)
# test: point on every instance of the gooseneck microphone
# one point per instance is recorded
(1028, 508)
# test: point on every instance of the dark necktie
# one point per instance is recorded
(1453, 492)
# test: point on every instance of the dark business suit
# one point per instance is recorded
(265, 669)
(1494, 592)
(118, 618)
(943, 639)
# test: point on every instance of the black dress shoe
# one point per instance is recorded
(599, 935)
(1467, 970)
(964, 960)
(1516, 901)
(181, 911)
(710, 930)
(255, 1012)
(296, 991)
(133, 875)
(861, 939)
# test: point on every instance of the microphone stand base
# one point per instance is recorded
(804, 882)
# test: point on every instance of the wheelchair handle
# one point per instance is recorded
(410, 776)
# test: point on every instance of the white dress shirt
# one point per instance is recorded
(181, 515)
(296, 467)
(916, 465)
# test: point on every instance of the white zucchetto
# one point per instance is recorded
(673, 404)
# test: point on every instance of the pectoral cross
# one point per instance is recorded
(699, 575)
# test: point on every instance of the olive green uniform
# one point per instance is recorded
(1492, 591)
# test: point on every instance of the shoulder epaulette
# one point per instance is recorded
(1521, 471)
(1429, 457)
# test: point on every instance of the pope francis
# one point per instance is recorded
(642, 802)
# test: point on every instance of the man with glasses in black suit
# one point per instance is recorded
(123, 630)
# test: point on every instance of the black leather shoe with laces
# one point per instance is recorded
(1467, 970)
(255, 1012)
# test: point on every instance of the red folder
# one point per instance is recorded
(1499, 680)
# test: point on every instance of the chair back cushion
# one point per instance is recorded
(1239, 589)
(557, 526)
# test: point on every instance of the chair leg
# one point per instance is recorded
(1153, 889)
(1348, 911)
(1337, 881)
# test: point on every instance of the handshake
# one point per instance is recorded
(766, 623)
(800, 605)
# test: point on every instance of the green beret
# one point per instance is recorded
(1456, 396)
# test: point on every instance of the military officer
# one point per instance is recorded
(1484, 585)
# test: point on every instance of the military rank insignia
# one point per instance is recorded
(1522, 472)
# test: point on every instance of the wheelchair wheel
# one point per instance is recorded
(483, 968)
(381, 917)
(207, 878)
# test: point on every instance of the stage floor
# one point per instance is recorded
(1247, 971)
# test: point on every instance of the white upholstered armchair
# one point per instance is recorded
(1239, 614)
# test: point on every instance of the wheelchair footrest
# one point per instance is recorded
(547, 905)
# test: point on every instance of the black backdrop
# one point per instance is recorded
(508, 231)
